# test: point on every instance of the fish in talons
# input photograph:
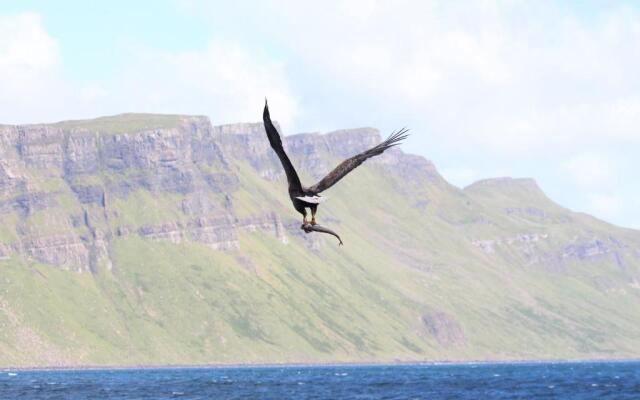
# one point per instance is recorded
(308, 228)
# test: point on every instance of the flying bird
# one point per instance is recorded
(304, 197)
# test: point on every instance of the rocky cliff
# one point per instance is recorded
(82, 174)
(122, 229)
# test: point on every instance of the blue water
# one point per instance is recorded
(619, 380)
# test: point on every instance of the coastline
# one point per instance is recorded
(316, 365)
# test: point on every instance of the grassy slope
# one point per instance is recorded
(123, 123)
(271, 302)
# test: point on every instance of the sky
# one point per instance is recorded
(541, 89)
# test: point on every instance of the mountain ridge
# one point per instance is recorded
(146, 239)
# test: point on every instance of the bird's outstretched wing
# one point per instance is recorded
(276, 145)
(350, 164)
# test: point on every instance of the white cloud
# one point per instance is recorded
(511, 78)
(605, 205)
(590, 171)
(26, 50)
(223, 80)
(460, 176)
(623, 117)
(29, 67)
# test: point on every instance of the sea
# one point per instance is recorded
(562, 380)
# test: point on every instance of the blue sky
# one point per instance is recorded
(542, 89)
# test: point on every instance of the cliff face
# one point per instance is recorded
(80, 175)
(110, 217)
(95, 169)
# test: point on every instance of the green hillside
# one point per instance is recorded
(162, 240)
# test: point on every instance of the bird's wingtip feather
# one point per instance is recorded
(265, 113)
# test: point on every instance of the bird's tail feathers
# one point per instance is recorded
(312, 199)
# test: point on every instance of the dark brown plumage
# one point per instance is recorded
(350, 164)
(309, 197)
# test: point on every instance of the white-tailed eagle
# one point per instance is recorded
(304, 197)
